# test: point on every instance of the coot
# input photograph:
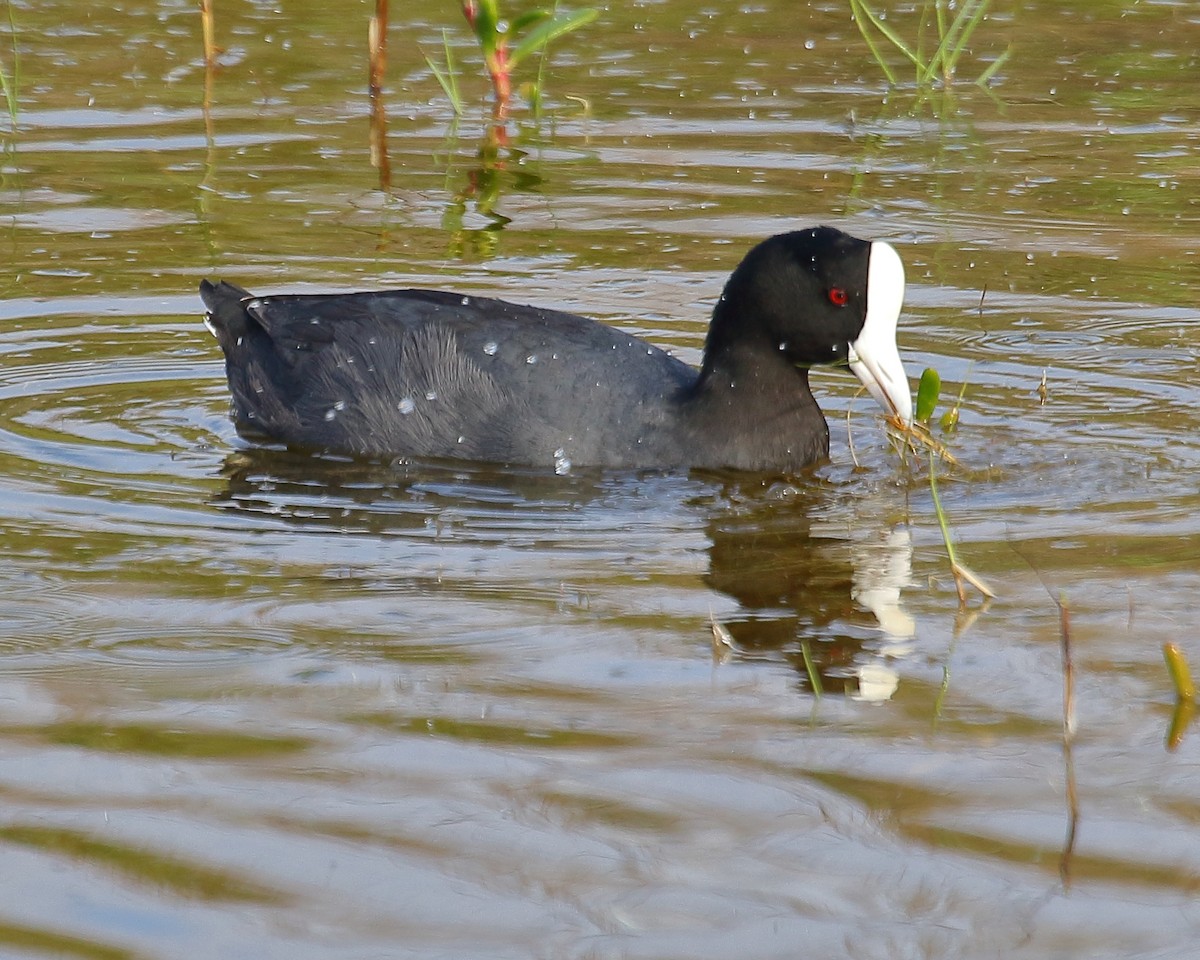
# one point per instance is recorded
(424, 373)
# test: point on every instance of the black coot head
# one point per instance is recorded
(819, 296)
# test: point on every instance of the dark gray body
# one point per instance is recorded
(431, 374)
(427, 374)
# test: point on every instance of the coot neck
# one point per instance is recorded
(755, 374)
(754, 406)
(742, 359)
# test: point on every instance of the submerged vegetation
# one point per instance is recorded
(941, 39)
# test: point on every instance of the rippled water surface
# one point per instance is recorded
(259, 704)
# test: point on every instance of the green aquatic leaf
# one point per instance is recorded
(525, 20)
(927, 394)
(546, 31)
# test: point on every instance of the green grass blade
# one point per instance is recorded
(941, 514)
(7, 89)
(923, 26)
(814, 678)
(960, 44)
(10, 83)
(986, 77)
(444, 81)
(954, 40)
(541, 35)
(892, 37)
(525, 20)
(451, 72)
(930, 69)
(447, 79)
(860, 21)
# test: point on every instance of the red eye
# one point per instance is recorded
(838, 297)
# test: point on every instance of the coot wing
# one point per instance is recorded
(434, 374)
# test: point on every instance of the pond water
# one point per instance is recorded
(257, 704)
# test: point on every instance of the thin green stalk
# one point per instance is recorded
(447, 80)
(923, 26)
(984, 78)
(535, 93)
(941, 514)
(891, 35)
(9, 99)
(860, 22)
(965, 28)
(961, 572)
(953, 37)
(10, 84)
(954, 42)
(940, 7)
(814, 678)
